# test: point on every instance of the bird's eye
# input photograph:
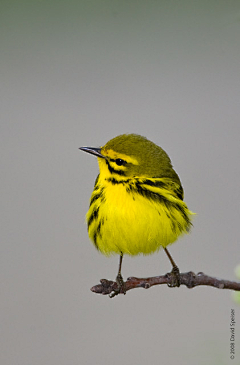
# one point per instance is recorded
(120, 162)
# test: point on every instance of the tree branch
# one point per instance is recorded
(189, 279)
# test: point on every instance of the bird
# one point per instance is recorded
(136, 206)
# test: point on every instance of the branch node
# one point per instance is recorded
(190, 280)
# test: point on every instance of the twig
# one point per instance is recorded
(189, 279)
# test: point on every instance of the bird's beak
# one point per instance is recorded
(93, 151)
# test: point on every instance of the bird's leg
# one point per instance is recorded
(119, 280)
(175, 273)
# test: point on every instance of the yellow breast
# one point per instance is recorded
(122, 220)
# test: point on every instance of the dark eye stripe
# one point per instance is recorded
(119, 161)
(112, 170)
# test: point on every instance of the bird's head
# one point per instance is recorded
(131, 156)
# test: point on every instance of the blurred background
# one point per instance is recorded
(78, 73)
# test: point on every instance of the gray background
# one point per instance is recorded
(77, 73)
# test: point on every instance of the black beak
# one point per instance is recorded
(93, 151)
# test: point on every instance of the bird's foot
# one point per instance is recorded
(121, 287)
(174, 277)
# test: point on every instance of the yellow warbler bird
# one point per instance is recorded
(137, 203)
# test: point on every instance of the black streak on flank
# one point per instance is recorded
(95, 240)
(93, 216)
(98, 231)
(103, 197)
(96, 196)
